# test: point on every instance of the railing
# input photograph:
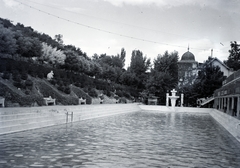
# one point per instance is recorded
(67, 116)
(232, 77)
(204, 101)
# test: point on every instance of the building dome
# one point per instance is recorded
(188, 56)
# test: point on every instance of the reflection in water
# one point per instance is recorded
(139, 139)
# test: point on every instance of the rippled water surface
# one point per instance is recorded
(138, 139)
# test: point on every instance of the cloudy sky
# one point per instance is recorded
(152, 26)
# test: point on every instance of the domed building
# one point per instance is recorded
(187, 69)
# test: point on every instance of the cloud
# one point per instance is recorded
(74, 9)
(231, 6)
(10, 3)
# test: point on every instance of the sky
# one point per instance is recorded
(151, 26)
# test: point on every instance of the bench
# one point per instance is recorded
(2, 100)
(152, 101)
(82, 101)
(49, 100)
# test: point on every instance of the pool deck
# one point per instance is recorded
(26, 118)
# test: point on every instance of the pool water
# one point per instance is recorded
(140, 139)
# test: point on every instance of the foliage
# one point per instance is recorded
(23, 100)
(47, 90)
(25, 53)
(27, 46)
(164, 75)
(6, 75)
(139, 64)
(51, 55)
(81, 93)
(7, 42)
(209, 79)
(234, 56)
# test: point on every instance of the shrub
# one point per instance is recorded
(16, 76)
(24, 75)
(126, 94)
(107, 92)
(92, 92)
(122, 100)
(27, 92)
(40, 75)
(29, 84)
(67, 90)
(18, 84)
(6, 75)
(119, 93)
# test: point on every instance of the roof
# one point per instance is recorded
(216, 59)
(188, 56)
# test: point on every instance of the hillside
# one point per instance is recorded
(41, 88)
(27, 56)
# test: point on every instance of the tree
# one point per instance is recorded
(122, 57)
(7, 42)
(28, 46)
(209, 79)
(59, 39)
(52, 55)
(167, 63)
(71, 61)
(139, 64)
(234, 56)
(164, 75)
(138, 68)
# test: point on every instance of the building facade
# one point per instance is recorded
(227, 98)
(187, 69)
(223, 67)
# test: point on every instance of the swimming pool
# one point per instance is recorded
(139, 139)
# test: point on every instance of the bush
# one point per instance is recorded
(126, 94)
(18, 84)
(92, 92)
(29, 84)
(6, 75)
(23, 100)
(24, 75)
(122, 100)
(40, 75)
(107, 92)
(119, 93)
(47, 91)
(67, 90)
(16, 76)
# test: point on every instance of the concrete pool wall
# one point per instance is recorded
(25, 118)
(231, 124)
(20, 119)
